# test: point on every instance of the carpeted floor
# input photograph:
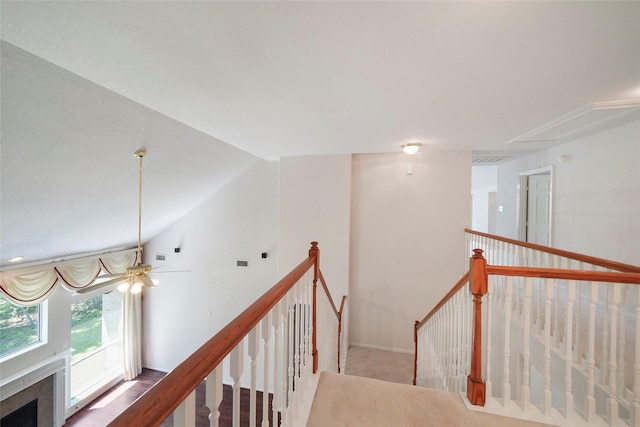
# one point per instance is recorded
(350, 401)
(380, 365)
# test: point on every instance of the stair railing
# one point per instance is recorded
(566, 342)
(283, 324)
(333, 346)
(500, 250)
(575, 362)
(443, 341)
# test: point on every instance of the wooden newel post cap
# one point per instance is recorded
(477, 254)
(313, 250)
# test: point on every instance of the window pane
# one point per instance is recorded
(19, 326)
(96, 341)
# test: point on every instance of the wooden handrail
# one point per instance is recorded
(553, 273)
(162, 399)
(337, 312)
(463, 281)
(344, 299)
(613, 265)
(326, 291)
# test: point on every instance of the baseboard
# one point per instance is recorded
(378, 347)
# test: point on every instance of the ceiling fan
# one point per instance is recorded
(133, 278)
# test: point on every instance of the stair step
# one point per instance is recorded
(345, 400)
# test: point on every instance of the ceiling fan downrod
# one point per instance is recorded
(140, 154)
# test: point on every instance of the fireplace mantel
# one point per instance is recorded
(53, 366)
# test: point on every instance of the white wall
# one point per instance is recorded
(484, 180)
(237, 223)
(315, 204)
(407, 236)
(596, 193)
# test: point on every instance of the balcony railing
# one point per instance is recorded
(287, 334)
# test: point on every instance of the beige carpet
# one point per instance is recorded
(349, 401)
(380, 365)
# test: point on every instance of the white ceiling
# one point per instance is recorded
(210, 87)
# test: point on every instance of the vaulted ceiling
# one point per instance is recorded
(209, 88)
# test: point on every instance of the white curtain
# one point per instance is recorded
(78, 274)
(132, 335)
(28, 287)
(32, 285)
(117, 263)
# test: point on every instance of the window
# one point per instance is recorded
(96, 343)
(20, 327)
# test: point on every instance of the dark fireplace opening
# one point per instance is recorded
(26, 416)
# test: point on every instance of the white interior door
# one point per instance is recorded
(539, 209)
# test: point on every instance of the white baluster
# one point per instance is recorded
(290, 356)
(526, 388)
(590, 403)
(487, 369)
(620, 377)
(276, 403)
(266, 339)
(548, 284)
(576, 342)
(299, 350)
(438, 358)
(612, 402)
(539, 301)
(286, 358)
(556, 303)
(236, 363)
(506, 386)
(447, 346)
(253, 348)
(568, 393)
(467, 336)
(441, 349)
(458, 341)
(467, 251)
(185, 413)
(515, 299)
(452, 341)
(635, 411)
(433, 355)
(213, 395)
(604, 355)
(308, 327)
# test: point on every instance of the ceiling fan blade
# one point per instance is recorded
(170, 271)
(101, 285)
(147, 281)
(110, 276)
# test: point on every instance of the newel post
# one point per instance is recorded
(315, 252)
(478, 287)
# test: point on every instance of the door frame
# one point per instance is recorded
(521, 202)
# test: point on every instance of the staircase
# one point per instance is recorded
(539, 334)
(557, 342)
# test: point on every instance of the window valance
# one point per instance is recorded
(32, 285)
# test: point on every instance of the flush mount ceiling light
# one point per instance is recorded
(411, 148)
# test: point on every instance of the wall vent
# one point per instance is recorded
(242, 263)
(160, 257)
(488, 160)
